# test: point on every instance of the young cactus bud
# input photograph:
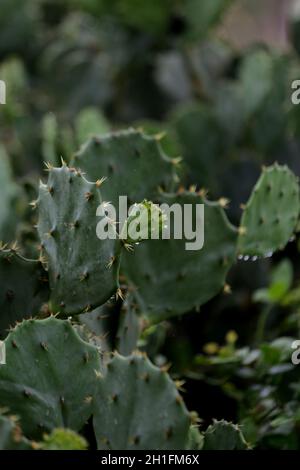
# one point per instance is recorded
(145, 221)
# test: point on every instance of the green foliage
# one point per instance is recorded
(21, 17)
(257, 66)
(91, 63)
(90, 122)
(281, 282)
(202, 16)
(14, 75)
(264, 381)
(138, 407)
(152, 17)
(193, 127)
(50, 131)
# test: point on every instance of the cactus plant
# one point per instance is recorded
(216, 114)
(49, 377)
(138, 407)
(83, 270)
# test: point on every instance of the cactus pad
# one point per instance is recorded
(23, 288)
(129, 328)
(271, 214)
(139, 407)
(167, 280)
(49, 376)
(83, 270)
(222, 435)
(133, 163)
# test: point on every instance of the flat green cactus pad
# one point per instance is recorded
(83, 270)
(167, 279)
(271, 214)
(49, 376)
(138, 407)
(23, 289)
(133, 163)
(222, 435)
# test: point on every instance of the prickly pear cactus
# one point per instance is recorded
(49, 378)
(83, 270)
(133, 163)
(23, 288)
(271, 214)
(222, 435)
(138, 407)
(166, 279)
